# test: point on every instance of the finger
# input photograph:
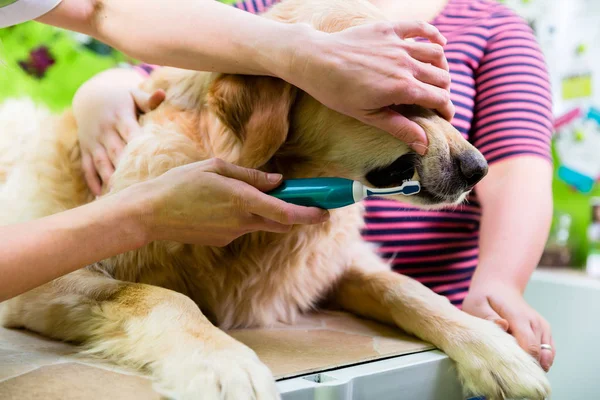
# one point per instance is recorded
(401, 127)
(547, 356)
(260, 180)
(262, 204)
(411, 29)
(114, 145)
(103, 165)
(429, 96)
(281, 212)
(156, 99)
(488, 313)
(128, 127)
(526, 337)
(147, 102)
(536, 328)
(427, 53)
(90, 175)
(447, 111)
(259, 223)
(432, 75)
(520, 328)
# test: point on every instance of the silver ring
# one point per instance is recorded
(546, 347)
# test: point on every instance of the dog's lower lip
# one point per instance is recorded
(430, 195)
(434, 197)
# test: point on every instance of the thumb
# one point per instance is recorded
(400, 127)
(261, 180)
(490, 314)
(147, 102)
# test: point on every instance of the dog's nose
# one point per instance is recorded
(473, 167)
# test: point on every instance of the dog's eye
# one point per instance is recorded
(393, 175)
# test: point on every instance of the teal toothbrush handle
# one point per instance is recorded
(326, 193)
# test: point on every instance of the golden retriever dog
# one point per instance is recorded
(161, 308)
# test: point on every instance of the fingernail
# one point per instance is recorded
(420, 148)
(545, 360)
(545, 367)
(274, 178)
(324, 216)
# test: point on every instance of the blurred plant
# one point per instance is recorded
(49, 64)
(39, 61)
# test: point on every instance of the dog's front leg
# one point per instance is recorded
(489, 361)
(150, 328)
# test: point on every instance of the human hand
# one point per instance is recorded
(106, 109)
(364, 70)
(504, 304)
(213, 202)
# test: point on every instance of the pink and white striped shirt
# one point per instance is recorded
(501, 91)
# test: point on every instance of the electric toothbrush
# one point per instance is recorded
(330, 193)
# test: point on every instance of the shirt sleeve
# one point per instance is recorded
(13, 12)
(513, 104)
(145, 69)
(255, 6)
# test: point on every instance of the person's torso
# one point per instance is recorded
(440, 248)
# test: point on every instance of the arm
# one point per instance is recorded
(516, 198)
(39, 251)
(341, 70)
(207, 203)
(513, 128)
(203, 35)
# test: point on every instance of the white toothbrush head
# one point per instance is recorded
(408, 188)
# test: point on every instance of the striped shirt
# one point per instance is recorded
(501, 91)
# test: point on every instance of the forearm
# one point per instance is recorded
(36, 252)
(516, 200)
(195, 34)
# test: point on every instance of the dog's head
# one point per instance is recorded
(283, 129)
(263, 122)
(286, 130)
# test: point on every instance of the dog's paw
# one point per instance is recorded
(490, 363)
(228, 374)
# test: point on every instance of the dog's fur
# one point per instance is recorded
(154, 308)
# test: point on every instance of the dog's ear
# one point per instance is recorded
(255, 109)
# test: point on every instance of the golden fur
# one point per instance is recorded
(157, 308)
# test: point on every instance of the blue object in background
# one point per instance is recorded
(581, 182)
(594, 113)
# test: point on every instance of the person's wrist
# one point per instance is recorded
(292, 60)
(137, 213)
(491, 286)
